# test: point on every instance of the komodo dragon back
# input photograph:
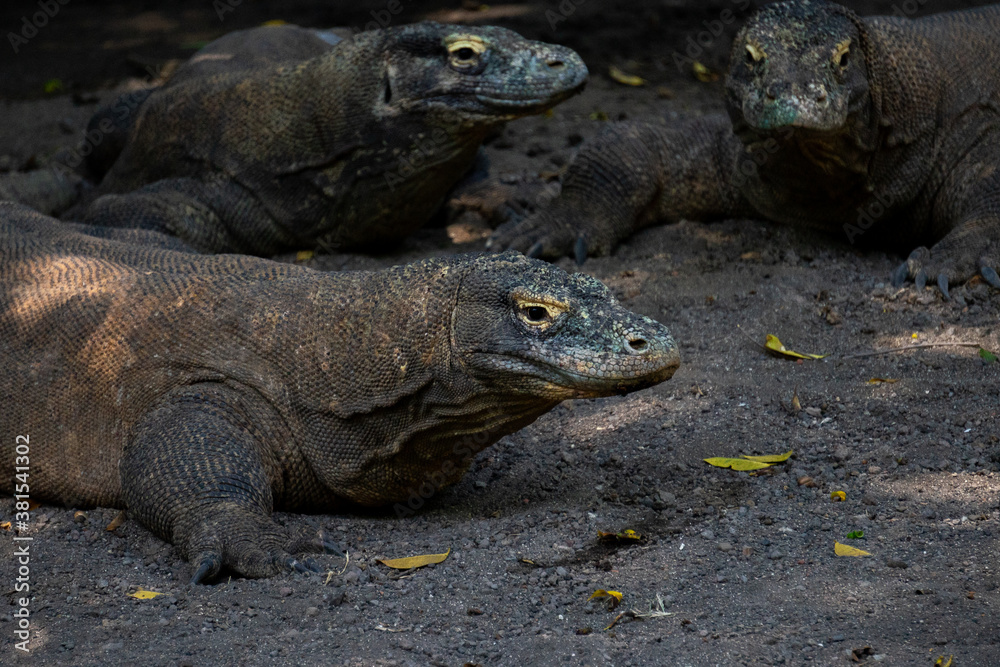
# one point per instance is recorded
(202, 392)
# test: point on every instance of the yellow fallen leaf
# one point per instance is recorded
(881, 380)
(770, 458)
(414, 561)
(914, 335)
(273, 22)
(143, 594)
(736, 464)
(844, 550)
(838, 496)
(627, 79)
(624, 536)
(943, 662)
(614, 598)
(117, 521)
(775, 345)
(5, 525)
(304, 255)
(704, 74)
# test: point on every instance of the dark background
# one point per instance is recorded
(95, 44)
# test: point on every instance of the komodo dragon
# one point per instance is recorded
(886, 129)
(274, 139)
(201, 391)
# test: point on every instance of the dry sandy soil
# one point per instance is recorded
(741, 564)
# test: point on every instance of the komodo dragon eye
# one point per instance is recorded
(754, 54)
(841, 53)
(465, 51)
(537, 314)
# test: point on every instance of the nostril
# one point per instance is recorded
(821, 97)
(637, 345)
(557, 64)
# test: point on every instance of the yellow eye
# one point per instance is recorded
(537, 313)
(841, 53)
(465, 50)
(755, 54)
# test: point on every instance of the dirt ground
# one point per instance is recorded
(742, 565)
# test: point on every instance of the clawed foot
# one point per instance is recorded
(924, 265)
(499, 200)
(254, 546)
(549, 236)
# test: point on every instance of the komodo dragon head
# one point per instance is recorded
(477, 72)
(799, 65)
(553, 335)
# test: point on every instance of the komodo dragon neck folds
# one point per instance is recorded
(882, 129)
(199, 392)
(274, 139)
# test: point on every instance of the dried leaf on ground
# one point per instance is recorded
(736, 464)
(143, 594)
(838, 496)
(845, 550)
(5, 525)
(775, 346)
(117, 521)
(627, 79)
(943, 661)
(613, 598)
(411, 562)
(703, 73)
(627, 535)
(770, 458)
(883, 380)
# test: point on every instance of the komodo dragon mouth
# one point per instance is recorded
(585, 373)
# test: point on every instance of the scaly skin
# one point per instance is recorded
(273, 139)
(884, 129)
(201, 392)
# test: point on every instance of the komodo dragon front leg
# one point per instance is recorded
(211, 213)
(969, 206)
(633, 176)
(202, 471)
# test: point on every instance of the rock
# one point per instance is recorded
(775, 555)
(725, 546)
